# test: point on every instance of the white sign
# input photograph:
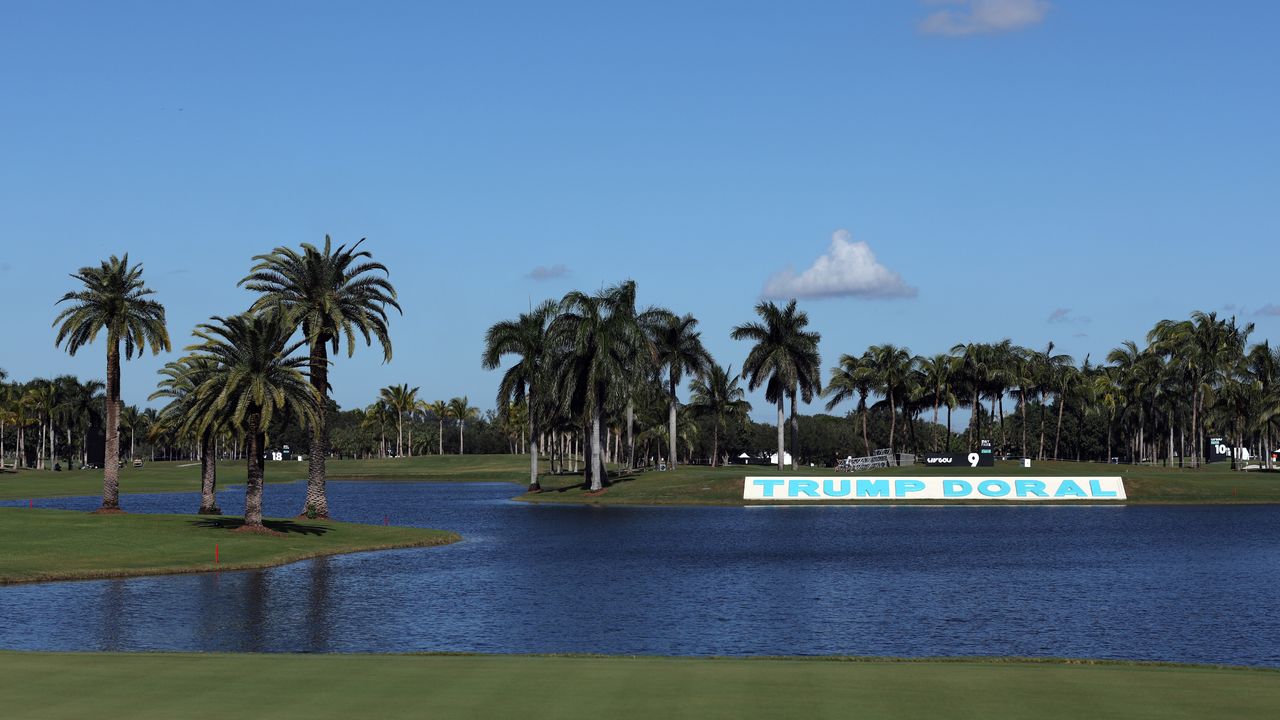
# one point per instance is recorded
(1025, 489)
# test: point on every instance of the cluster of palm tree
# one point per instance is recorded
(52, 420)
(597, 369)
(1162, 401)
(243, 375)
(398, 407)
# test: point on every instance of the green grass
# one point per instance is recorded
(40, 545)
(315, 687)
(185, 475)
(686, 485)
(702, 485)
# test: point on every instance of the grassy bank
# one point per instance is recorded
(184, 476)
(700, 485)
(686, 485)
(313, 687)
(61, 545)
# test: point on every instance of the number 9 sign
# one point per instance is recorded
(973, 459)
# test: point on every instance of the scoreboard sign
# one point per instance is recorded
(972, 459)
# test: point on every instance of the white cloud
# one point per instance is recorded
(547, 273)
(973, 17)
(848, 269)
(1267, 310)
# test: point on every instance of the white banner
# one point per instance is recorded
(1026, 489)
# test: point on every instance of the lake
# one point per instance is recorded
(1188, 584)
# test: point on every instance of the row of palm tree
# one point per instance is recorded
(592, 363)
(242, 374)
(61, 412)
(1191, 377)
(397, 404)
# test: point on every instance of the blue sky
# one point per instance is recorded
(1066, 171)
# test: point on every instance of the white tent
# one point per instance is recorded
(745, 458)
(786, 458)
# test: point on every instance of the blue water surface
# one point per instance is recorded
(1191, 584)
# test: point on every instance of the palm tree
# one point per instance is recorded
(189, 414)
(935, 383)
(113, 299)
(890, 369)
(254, 379)
(528, 339)
(331, 294)
(402, 399)
(440, 409)
(600, 340)
(851, 378)
(82, 408)
(1046, 368)
(377, 416)
(715, 394)
(679, 349)
(461, 410)
(784, 360)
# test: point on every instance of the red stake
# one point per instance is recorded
(31, 504)
(215, 553)
(386, 520)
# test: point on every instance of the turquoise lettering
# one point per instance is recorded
(808, 488)
(956, 488)
(1096, 487)
(872, 488)
(993, 488)
(1031, 487)
(1069, 488)
(767, 486)
(902, 487)
(829, 487)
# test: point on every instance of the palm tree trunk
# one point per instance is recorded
(715, 441)
(253, 486)
(208, 476)
(975, 437)
(935, 416)
(1022, 404)
(1040, 455)
(399, 434)
(461, 423)
(597, 483)
(893, 426)
(111, 462)
(317, 502)
(440, 437)
(534, 485)
(948, 427)
(781, 443)
(631, 442)
(795, 432)
(1062, 403)
(671, 421)
(866, 440)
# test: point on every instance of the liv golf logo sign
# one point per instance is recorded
(1023, 489)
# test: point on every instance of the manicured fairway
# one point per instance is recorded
(723, 486)
(185, 475)
(59, 545)
(313, 687)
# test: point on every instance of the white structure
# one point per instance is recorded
(745, 458)
(786, 458)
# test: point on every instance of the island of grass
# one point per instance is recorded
(687, 485)
(312, 687)
(40, 545)
(702, 485)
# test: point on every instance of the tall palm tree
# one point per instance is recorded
(715, 394)
(679, 348)
(253, 381)
(115, 299)
(83, 409)
(890, 368)
(440, 409)
(528, 339)
(936, 373)
(600, 339)
(332, 294)
(784, 359)
(1046, 368)
(460, 409)
(189, 414)
(376, 417)
(851, 378)
(402, 399)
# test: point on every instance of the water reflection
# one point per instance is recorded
(1167, 583)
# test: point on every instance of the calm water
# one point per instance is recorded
(1196, 584)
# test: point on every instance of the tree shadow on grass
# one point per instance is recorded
(280, 526)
